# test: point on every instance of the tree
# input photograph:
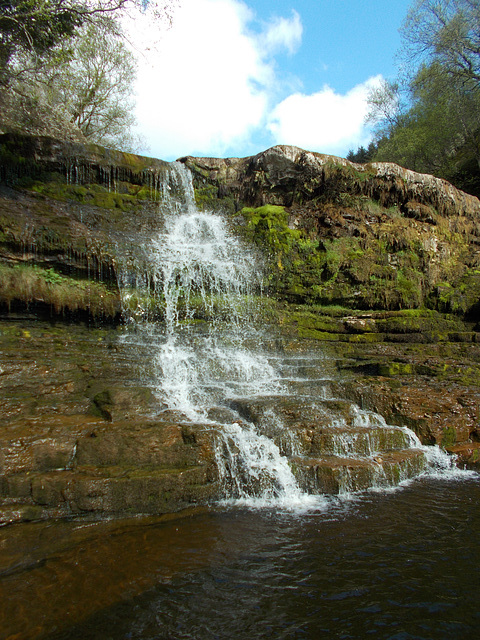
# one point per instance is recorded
(36, 27)
(429, 121)
(442, 118)
(33, 27)
(446, 32)
(94, 87)
(66, 70)
(362, 155)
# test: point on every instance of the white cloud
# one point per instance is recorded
(209, 85)
(206, 84)
(325, 121)
(283, 33)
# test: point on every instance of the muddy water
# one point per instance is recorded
(394, 565)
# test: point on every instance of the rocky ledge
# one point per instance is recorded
(375, 265)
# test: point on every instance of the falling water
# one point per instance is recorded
(204, 278)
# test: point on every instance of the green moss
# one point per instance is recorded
(31, 284)
(367, 338)
(127, 198)
(313, 334)
(268, 226)
(396, 369)
(206, 196)
(461, 296)
(449, 437)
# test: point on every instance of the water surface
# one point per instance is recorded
(394, 565)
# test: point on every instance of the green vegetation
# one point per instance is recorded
(32, 284)
(127, 197)
(449, 438)
(388, 268)
(430, 121)
(66, 70)
(338, 324)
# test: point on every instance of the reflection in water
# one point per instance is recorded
(399, 565)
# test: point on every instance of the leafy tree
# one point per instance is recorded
(94, 87)
(33, 27)
(36, 27)
(430, 121)
(65, 69)
(446, 32)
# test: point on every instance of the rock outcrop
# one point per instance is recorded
(372, 236)
(377, 263)
(79, 436)
(288, 176)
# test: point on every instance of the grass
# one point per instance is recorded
(32, 284)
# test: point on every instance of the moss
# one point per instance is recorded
(396, 369)
(31, 284)
(449, 437)
(367, 338)
(206, 196)
(462, 296)
(308, 320)
(268, 226)
(314, 334)
(126, 198)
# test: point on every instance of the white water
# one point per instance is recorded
(197, 268)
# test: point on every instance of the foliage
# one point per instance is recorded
(94, 86)
(363, 155)
(65, 69)
(33, 27)
(443, 118)
(447, 33)
(429, 119)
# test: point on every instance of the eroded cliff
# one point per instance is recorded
(377, 261)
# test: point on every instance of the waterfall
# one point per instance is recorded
(204, 278)
(266, 425)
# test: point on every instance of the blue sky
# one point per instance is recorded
(234, 77)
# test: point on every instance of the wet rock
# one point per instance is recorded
(119, 402)
(57, 458)
(335, 475)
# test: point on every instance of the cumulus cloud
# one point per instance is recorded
(324, 121)
(206, 83)
(211, 84)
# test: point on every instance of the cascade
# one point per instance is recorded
(281, 438)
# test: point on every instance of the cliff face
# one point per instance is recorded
(67, 211)
(289, 176)
(78, 433)
(372, 236)
(367, 236)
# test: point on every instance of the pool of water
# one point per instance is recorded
(396, 565)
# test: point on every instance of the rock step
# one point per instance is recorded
(116, 490)
(307, 388)
(294, 412)
(335, 475)
(71, 441)
(467, 453)
(346, 441)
